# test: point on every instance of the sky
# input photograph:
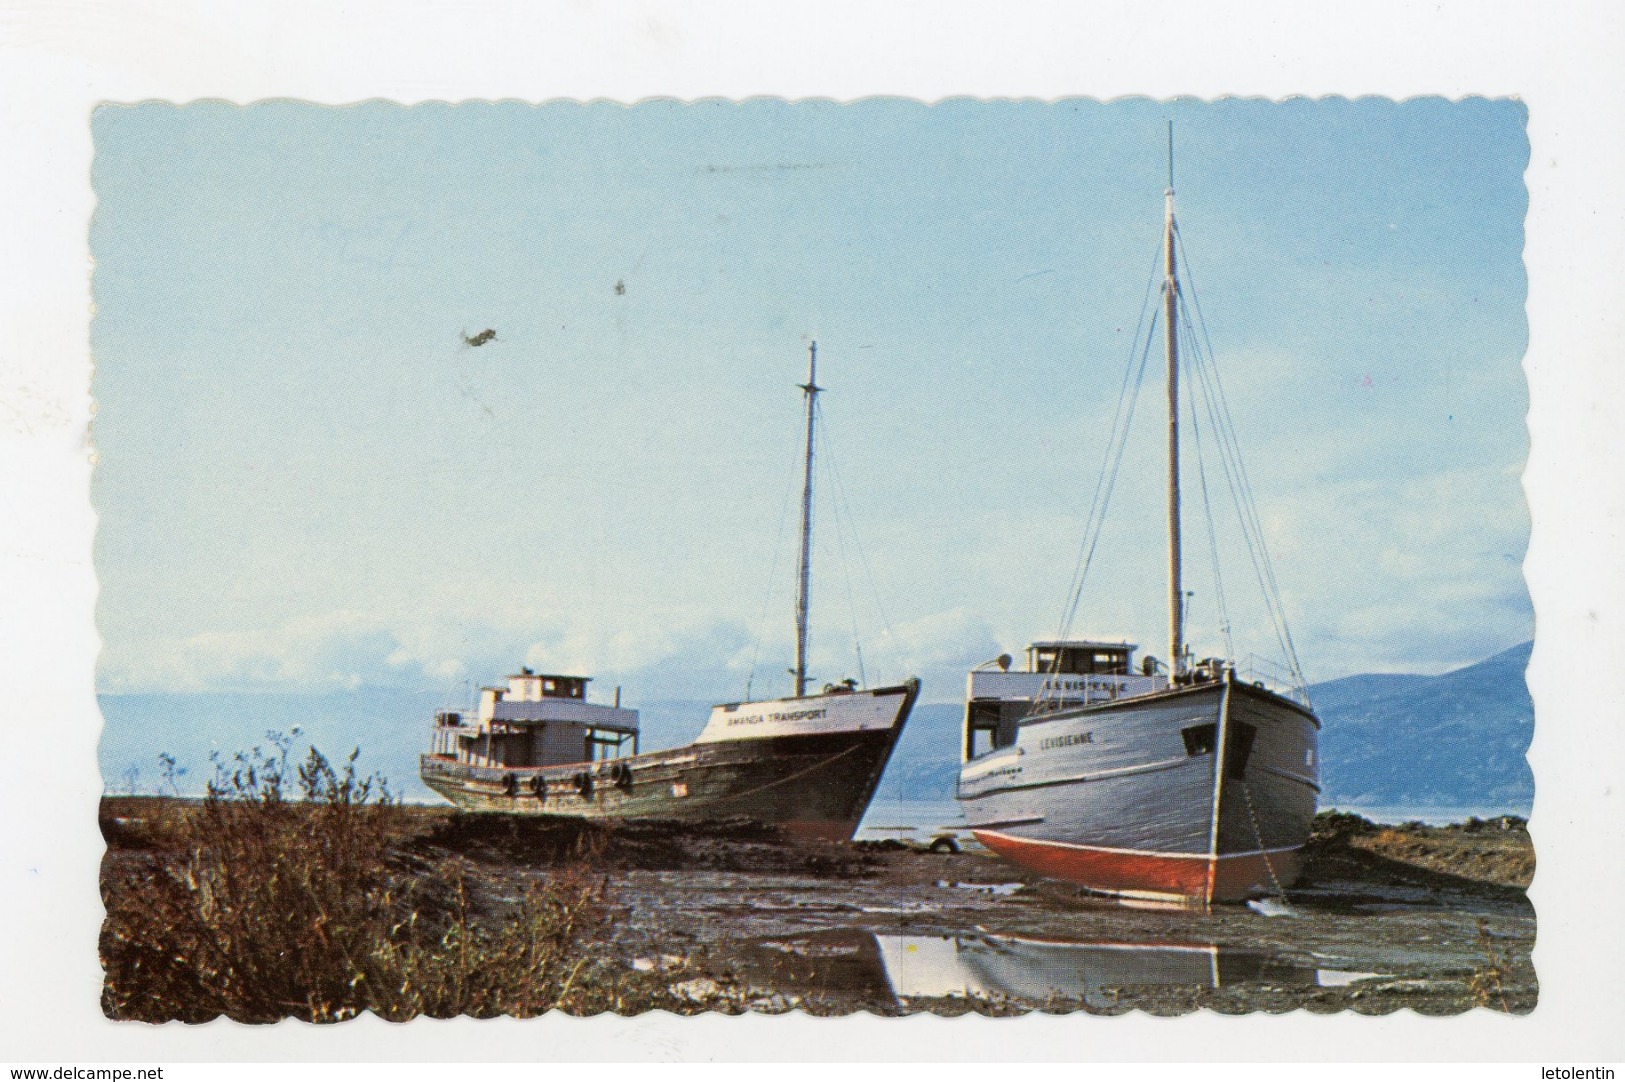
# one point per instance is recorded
(306, 480)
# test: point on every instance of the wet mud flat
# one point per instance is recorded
(734, 917)
(1378, 924)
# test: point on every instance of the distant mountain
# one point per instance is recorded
(1456, 740)
(925, 764)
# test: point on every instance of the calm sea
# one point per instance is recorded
(925, 819)
(910, 819)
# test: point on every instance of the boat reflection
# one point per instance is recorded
(1037, 972)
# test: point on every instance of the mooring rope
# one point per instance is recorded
(1258, 836)
(792, 777)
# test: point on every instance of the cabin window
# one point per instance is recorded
(1199, 739)
(1239, 749)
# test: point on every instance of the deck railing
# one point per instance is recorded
(1274, 676)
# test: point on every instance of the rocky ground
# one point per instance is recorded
(732, 917)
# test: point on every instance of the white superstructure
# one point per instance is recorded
(1060, 674)
(538, 719)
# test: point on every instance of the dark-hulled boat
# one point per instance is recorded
(808, 764)
(1183, 782)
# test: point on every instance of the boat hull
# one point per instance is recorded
(1195, 795)
(811, 785)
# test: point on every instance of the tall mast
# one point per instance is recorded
(1170, 300)
(810, 391)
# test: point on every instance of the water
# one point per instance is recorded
(1430, 815)
(921, 820)
(899, 968)
(911, 820)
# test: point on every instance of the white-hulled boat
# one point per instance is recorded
(1181, 782)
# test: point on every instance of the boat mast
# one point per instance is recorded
(1170, 300)
(810, 391)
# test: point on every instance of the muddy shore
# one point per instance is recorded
(733, 917)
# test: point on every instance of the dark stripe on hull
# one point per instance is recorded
(815, 786)
(1132, 811)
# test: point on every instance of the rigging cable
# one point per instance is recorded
(1117, 443)
(772, 578)
(844, 502)
(1105, 487)
(1127, 394)
(1246, 512)
(1247, 508)
(1212, 531)
(821, 431)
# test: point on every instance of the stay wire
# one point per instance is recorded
(845, 503)
(1274, 599)
(1127, 393)
(1284, 628)
(772, 580)
(821, 433)
(1229, 459)
(1094, 529)
(1097, 528)
(1212, 533)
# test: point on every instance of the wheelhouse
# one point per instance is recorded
(536, 720)
(1060, 675)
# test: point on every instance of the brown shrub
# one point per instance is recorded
(260, 906)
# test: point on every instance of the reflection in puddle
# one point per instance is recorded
(900, 968)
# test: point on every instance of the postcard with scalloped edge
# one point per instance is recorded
(764, 556)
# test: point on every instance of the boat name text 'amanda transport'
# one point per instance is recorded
(793, 715)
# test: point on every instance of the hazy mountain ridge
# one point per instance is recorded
(1457, 739)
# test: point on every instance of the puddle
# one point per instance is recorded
(1341, 978)
(1038, 972)
(998, 890)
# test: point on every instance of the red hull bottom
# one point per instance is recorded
(819, 830)
(1189, 878)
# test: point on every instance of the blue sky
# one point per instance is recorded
(305, 480)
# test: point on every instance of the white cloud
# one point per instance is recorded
(1419, 575)
(343, 649)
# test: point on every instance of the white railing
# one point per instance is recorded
(1276, 677)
